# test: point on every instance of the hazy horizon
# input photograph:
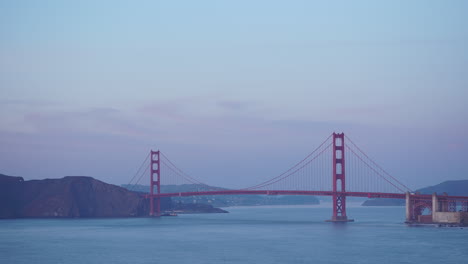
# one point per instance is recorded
(233, 92)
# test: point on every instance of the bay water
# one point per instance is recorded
(267, 234)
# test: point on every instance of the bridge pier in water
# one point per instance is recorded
(339, 180)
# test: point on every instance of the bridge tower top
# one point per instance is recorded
(339, 163)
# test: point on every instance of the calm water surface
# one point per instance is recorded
(294, 234)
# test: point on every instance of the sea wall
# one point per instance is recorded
(450, 217)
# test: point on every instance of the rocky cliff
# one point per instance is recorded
(71, 197)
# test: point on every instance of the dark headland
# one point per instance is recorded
(76, 197)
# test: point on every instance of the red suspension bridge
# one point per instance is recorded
(333, 169)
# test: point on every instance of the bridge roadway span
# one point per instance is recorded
(314, 193)
(307, 172)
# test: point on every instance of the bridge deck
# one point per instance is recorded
(314, 193)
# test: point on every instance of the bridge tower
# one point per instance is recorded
(155, 172)
(339, 180)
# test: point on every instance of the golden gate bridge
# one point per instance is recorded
(333, 169)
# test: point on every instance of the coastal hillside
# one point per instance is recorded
(73, 197)
(459, 187)
(226, 200)
(69, 197)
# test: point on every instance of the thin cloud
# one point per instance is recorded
(370, 110)
(28, 103)
(234, 104)
(163, 110)
(94, 120)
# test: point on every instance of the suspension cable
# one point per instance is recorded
(291, 168)
(141, 166)
(373, 162)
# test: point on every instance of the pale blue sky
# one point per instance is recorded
(88, 87)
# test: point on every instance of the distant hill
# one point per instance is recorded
(173, 188)
(459, 187)
(226, 200)
(450, 187)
